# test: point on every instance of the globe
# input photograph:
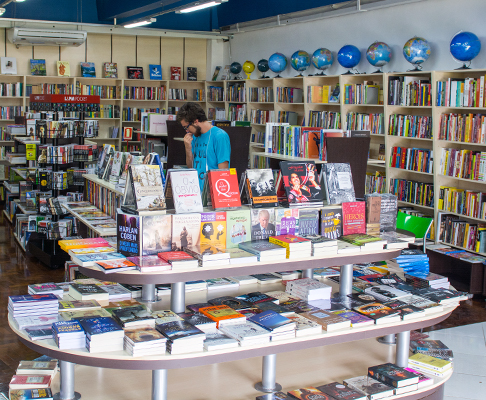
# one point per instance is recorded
(465, 46)
(378, 54)
(277, 63)
(300, 61)
(416, 51)
(322, 59)
(349, 56)
(262, 66)
(235, 68)
(248, 67)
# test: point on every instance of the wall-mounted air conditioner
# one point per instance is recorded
(45, 37)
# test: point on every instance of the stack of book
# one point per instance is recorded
(216, 340)
(179, 260)
(208, 256)
(26, 382)
(322, 246)
(247, 333)
(220, 283)
(79, 291)
(69, 335)
(308, 289)
(370, 387)
(182, 337)
(329, 322)
(88, 257)
(264, 250)
(280, 327)
(199, 320)
(424, 380)
(305, 326)
(144, 341)
(410, 261)
(133, 317)
(150, 263)
(43, 288)
(392, 375)
(102, 334)
(364, 241)
(432, 280)
(116, 265)
(116, 292)
(433, 348)
(295, 246)
(33, 305)
(430, 365)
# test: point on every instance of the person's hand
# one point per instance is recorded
(188, 139)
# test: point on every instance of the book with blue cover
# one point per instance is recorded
(88, 70)
(256, 297)
(271, 320)
(29, 299)
(98, 326)
(155, 72)
(260, 247)
(67, 327)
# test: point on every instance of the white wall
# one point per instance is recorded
(435, 20)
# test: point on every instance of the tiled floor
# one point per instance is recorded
(468, 342)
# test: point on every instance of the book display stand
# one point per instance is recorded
(160, 364)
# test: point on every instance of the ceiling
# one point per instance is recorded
(221, 17)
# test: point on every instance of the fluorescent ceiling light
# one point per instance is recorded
(199, 7)
(140, 23)
(19, 1)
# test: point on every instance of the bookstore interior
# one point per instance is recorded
(351, 215)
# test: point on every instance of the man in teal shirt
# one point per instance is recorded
(207, 146)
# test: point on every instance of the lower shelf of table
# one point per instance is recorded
(234, 380)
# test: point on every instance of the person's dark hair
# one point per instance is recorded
(190, 112)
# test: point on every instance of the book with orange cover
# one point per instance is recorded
(82, 243)
(222, 313)
(115, 265)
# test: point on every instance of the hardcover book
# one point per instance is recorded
(287, 221)
(301, 183)
(224, 189)
(213, 230)
(155, 72)
(135, 72)
(30, 394)
(135, 315)
(191, 73)
(185, 230)
(63, 68)
(175, 73)
(338, 183)
(260, 187)
(156, 234)
(308, 393)
(331, 222)
(88, 69)
(238, 227)
(38, 67)
(144, 190)
(392, 375)
(308, 219)
(354, 217)
(263, 248)
(186, 194)
(339, 391)
(377, 311)
(374, 389)
(110, 70)
(128, 234)
(262, 223)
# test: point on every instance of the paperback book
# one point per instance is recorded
(354, 220)
(224, 189)
(238, 227)
(185, 230)
(338, 183)
(331, 222)
(185, 191)
(260, 188)
(262, 223)
(301, 183)
(213, 230)
(144, 190)
(308, 221)
(287, 221)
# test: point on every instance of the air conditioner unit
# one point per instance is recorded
(45, 37)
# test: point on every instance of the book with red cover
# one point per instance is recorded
(354, 217)
(174, 256)
(30, 381)
(175, 73)
(224, 189)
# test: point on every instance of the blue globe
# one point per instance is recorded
(262, 65)
(465, 46)
(416, 50)
(349, 56)
(378, 54)
(235, 68)
(277, 62)
(322, 58)
(300, 60)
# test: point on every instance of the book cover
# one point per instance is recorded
(110, 266)
(128, 234)
(331, 222)
(328, 320)
(156, 234)
(371, 387)
(375, 310)
(88, 69)
(127, 315)
(185, 191)
(155, 72)
(179, 330)
(8, 65)
(221, 313)
(354, 220)
(185, 230)
(238, 227)
(301, 183)
(147, 186)
(98, 326)
(175, 73)
(392, 375)
(110, 70)
(30, 381)
(38, 67)
(135, 72)
(230, 301)
(213, 229)
(338, 183)
(262, 223)
(260, 187)
(30, 394)
(373, 211)
(127, 133)
(144, 335)
(224, 189)
(270, 320)
(287, 221)
(308, 221)
(63, 68)
(339, 391)
(308, 393)
(216, 73)
(191, 73)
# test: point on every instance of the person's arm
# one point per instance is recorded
(223, 165)
(188, 147)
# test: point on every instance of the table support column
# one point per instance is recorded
(403, 349)
(387, 339)
(346, 280)
(159, 384)
(308, 273)
(269, 373)
(67, 382)
(177, 297)
(149, 293)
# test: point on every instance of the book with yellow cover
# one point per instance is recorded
(213, 230)
(82, 243)
(63, 68)
(94, 250)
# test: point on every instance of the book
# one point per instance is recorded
(379, 312)
(329, 321)
(155, 72)
(30, 394)
(271, 320)
(331, 222)
(260, 188)
(429, 362)
(38, 67)
(8, 65)
(127, 133)
(37, 368)
(216, 73)
(179, 259)
(216, 340)
(87, 292)
(191, 74)
(185, 189)
(134, 316)
(88, 69)
(222, 314)
(262, 223)
(424, 380)
(39, 288)
(338, 183)
(109, 267)
(134, 72)
(224, 189)
(30, 382)
(156, 234)
(128, 234)
(63, 68)
(392, 375)
(185, 230)
(339, 391)
(374, 389)
(264, 250)
(144, 189)
(110, 70)
(365, 241)
(238, 227)
(354, 217)
(308, 393)
(175, 73)
(357, 320)
(213, 230)
(373, 211)
(308, 221)
(301, 183)
(286, 221)
(88, 260)
(76, 305)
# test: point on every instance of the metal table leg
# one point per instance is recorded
(308, 273)
(67, 382)
(159, 384)
(346, 280)
(149, 293)
(403, 349)
(269, 372)
(387, 339)
(177, 297)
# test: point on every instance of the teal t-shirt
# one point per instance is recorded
(209, 150)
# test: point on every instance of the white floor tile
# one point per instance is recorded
(475, 330)
(461, 344)
(461, 385)
(470, 364)
(456, 398)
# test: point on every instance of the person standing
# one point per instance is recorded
(207, 147)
